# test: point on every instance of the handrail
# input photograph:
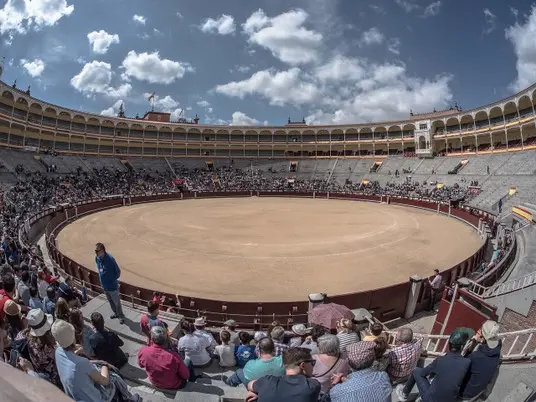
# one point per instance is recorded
(516, 345)
(499, 289)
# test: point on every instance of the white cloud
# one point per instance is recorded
(20, 16)
(101, 41)
(515, 12)
(340, 68)
(373, 36)
(167, 103)
(377, 8)
(203, 103)
(96, 78)
(393, 45)
(140, 19)
(176, 114)
(112, 110)
(522, 37)
(407, 5)
(279, 87)
(243, 69)
(242, 119)
(432, 9)
(151, 68)
(179, 15)
(491, 21)
(34, 68)
(224, 25)
(284, 35)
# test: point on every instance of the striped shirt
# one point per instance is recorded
(363, 385)
(346, 339)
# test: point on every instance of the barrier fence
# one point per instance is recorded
(384, 303)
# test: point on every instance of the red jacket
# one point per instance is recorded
(4, 297)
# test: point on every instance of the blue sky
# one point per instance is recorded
(259, 62)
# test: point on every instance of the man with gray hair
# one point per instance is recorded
(329, 361)
(278, 336)
(165, 369)
(404, 357)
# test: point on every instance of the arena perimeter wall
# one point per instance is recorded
(385, 303)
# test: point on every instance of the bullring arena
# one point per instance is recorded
(270, 249)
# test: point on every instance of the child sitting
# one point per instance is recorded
(225, 352)
(150, 320)
(245, 352)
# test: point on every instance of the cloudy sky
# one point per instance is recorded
(261, 61)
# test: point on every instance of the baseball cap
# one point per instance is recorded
(490, 332)
(63, 333)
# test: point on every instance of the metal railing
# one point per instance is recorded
(516, 345)
(499, 289)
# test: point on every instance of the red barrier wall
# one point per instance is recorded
(385, 303)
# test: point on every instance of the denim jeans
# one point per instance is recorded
(115, 302)
(238, 378)
(422, 383)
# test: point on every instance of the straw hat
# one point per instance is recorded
(63, 333)
(11, 308)
(200, 322)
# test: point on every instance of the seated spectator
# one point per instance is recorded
(449, 372)
(300, 331)
(62, 310)
(199, 325)
(329, 361)
(295, 385)
(149, 320)
(225, 351)
(67, 292)
(7, 292)
(311, 341)
(195, 348)
(35, 301)
(368, 382)
(42, 284)
(49, 302)
(82, 331)
(376, 330)
(258, 336)
(23, 288)
(80, 378)
(278, 336)
(404, 357)
(165, 369)
(266, 364)
(106, 345)
(346, 333)
(245, 352)
(15, 321)
(484, 360)
(42, 346)
(230, 326)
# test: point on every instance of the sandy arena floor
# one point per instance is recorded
(269, 249)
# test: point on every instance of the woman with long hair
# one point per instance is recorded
(42, 345)
(82, 331)
(62, 311)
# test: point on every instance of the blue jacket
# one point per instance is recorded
(484, 363)
(109, 272)
(449, 373)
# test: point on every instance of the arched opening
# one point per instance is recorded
(525, 106)
(510, 112)
(422, 142)
(64, 120)
(496, 116)
(481, 119)
(438, 127)
(467, 122)
(453, 125)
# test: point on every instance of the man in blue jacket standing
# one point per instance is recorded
(109, 274)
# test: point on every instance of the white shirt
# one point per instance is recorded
(208, 336)
(226, 353)
(195, 349)
(42, 287)
(436, 282)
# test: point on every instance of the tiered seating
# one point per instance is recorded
(519, 163)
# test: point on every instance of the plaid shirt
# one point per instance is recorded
(279, 349)
(403, 359)
(363, 385)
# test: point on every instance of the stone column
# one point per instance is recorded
(315, 299)
(414, 291)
